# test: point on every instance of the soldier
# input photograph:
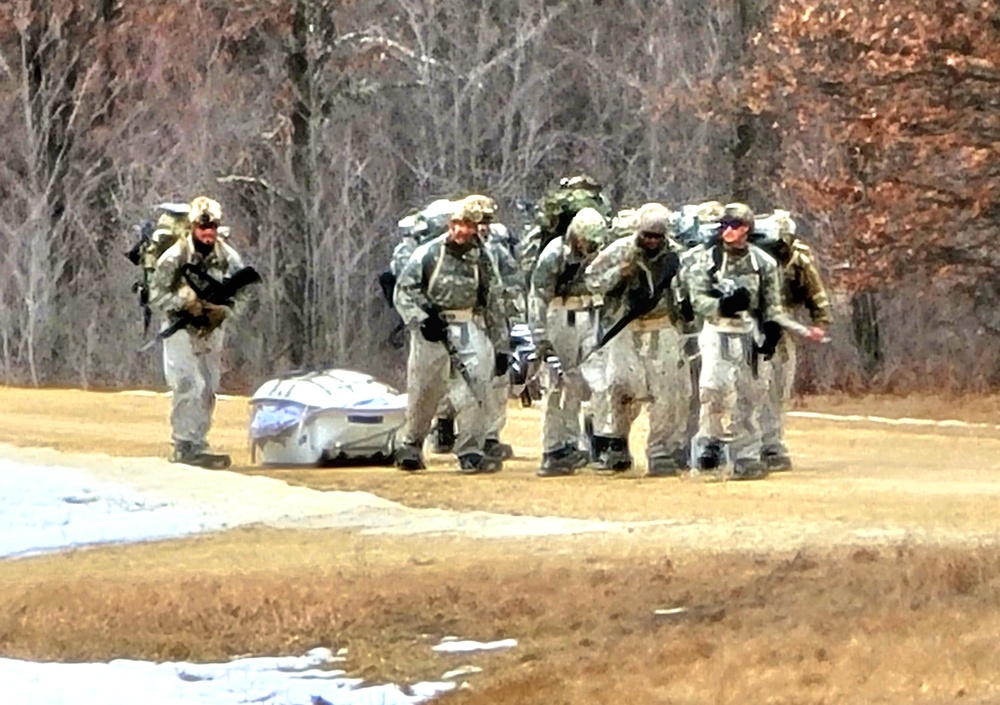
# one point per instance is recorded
(735, 289)
(192, 356)
(414, 230)
(646, 360)
(696, 226)
(801, 286)
(492, 236)
(446, 295)
(564, 319)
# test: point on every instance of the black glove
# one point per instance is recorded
(434, 329)
(772, 336)
(638, 298)
(736, 302)
(501, 364)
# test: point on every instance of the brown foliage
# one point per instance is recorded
(900, 120)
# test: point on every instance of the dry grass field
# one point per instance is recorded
(870, 574)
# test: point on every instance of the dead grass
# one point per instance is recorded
(854, 625)
(908, 623)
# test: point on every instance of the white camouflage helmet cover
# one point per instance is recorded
(588, 227)
(205, 210)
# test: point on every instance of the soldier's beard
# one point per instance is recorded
(203, 248)
(459, 248)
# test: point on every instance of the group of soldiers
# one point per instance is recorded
(686, 311)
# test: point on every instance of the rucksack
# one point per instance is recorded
(556, 210)
(171, 225)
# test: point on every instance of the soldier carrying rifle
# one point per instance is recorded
(193, 330)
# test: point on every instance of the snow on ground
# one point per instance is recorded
(46, 506)
(304, 680)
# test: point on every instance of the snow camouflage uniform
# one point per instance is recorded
(646, 361)
(801, 286)
(416, 229)
(460, 285)
(509, 295)
(696, 226)
(192, 356)
(737, 293)
(564, 318)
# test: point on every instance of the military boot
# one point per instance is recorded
(662, 466)
(775, 459)
(408, 457)
(712, 456)
(443, 436)
(749, 469)
(616, 457)
(558, 463)
(478, 464)
(198, 455)
(579, 458)
(495, 449)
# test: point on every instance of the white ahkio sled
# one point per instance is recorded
(326, 417)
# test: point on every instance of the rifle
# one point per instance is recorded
(135, 256)
(643, 306)
(453, 355)
(209, 290)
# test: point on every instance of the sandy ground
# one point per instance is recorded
(892, 525)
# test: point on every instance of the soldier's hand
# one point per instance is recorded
(734, 303)
(434, 329)
(816, 334)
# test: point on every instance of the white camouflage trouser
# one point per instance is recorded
(496, 405)
(192, 366)
(650, 366)
(779, 372)
(731, 397)
(430, 378)
(573, 334)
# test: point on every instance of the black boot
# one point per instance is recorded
(478, 464)
(408, 457)
(495, 449)
(712, 455)
(189, 453)
(443, 437)
(558, 463)
(749, 469)
(775, 459)
(617, 457)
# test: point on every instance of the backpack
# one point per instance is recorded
(554, 213)
(171, 225)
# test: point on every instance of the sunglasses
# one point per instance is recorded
(651, 235)
(734, 224)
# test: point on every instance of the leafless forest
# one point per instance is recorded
(319, 123)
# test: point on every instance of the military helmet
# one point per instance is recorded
(205, 211)
(581, 181)
(486, 205)
(465, 212)
(654, 218)
(588, 229)
(737, 213)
